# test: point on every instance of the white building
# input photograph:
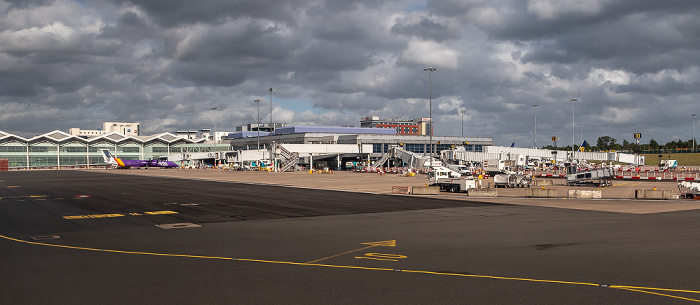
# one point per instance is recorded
(127, 129)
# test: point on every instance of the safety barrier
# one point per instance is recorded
(653, 194)
(673, 175)
(425, 190)
(588, 194)
(541, 193)
(400, 190)
(541, 182)
(485, 192)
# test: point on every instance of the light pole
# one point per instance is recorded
(573, 128)
(430, 72)
(580, 135)
(693, 115)
(271, 127)
(462, 123)
(535, 136)
(257, 101)
(214, 137)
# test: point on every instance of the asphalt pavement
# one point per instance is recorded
(82, 237)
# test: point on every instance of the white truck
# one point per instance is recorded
(689, 189)
(461, 169)
(449, 180)
(512, 180)
(494, 165)
(668, 164)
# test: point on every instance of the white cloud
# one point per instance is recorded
(553, 9)
(429, 53)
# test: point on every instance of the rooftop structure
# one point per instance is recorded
(419, 126)
(58, 148)
(127, 129)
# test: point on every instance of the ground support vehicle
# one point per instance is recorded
(596, 177)
(690, 190)
(512, 180)
(449, 180)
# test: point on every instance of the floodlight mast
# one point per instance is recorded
(257, 101)
(431, 70)
(535, 136)
(573, 128)
(214, 137)
(271, 126)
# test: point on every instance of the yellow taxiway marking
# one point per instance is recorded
(386, 243)
(647, 290)
(32, 196)
(620, 184)
(118, 215)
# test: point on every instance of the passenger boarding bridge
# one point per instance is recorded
(524, 155)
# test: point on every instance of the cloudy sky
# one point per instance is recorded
(633, 65)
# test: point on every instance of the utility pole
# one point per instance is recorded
(573, 128)
(431, 70)
(462, 123)
(535, 137)
(272, 128)
(257, 101)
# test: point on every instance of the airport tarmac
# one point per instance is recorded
(616, 198)
(122, 237)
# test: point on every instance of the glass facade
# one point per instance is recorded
(60, 149)
(13, 148)
(424, 148)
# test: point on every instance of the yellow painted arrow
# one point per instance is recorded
(386, 243)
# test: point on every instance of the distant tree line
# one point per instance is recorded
(607, 143)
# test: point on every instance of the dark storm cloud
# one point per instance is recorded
(207, 74)
(165, 63)
(178, 12)
(22, 4)
(324, 56)
(425, 28)
(241, 41)
(668, 86)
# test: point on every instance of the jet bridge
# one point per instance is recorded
(411, 159)
(597, 177)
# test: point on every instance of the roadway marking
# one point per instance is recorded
(382, 257)
(181, 225)
(32, 196)
(614, 185)
(118, 215)
(386, 243)
(647, 290)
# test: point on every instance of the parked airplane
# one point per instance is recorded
(119, 163)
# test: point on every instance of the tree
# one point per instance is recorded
(626, 145)
(606, 143)
(654, 145)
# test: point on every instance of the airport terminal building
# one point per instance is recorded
(380, 139)
(60, 149)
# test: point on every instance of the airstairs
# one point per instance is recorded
(383, 160)
(290, 160)
(412, 160)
